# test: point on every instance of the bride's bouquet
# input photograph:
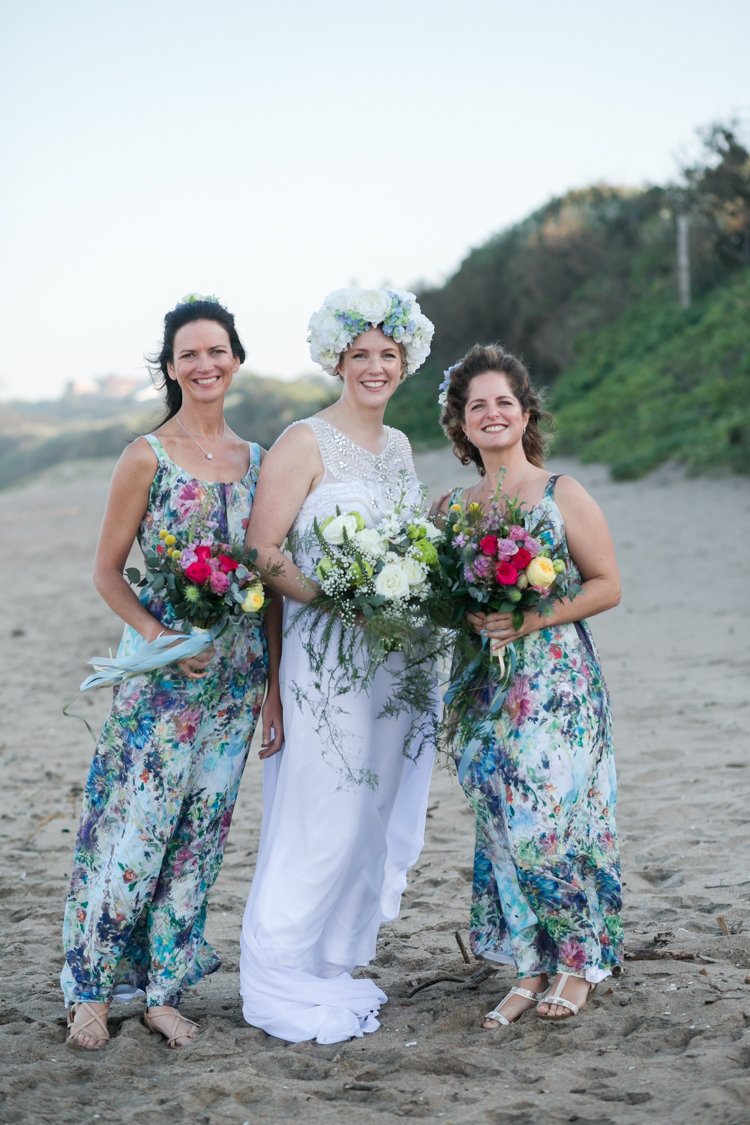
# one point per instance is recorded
(379, 590)
(209, 584)
(384, 573)
(503, 559)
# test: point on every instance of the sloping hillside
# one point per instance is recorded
(663, 383)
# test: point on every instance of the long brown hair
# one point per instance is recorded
(477, 361)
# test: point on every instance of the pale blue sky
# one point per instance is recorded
(271, 152)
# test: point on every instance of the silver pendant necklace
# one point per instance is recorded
(209, 455)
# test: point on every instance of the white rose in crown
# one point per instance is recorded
(371, 304)
(392, 582)
(369, 542)
(340, 299)
(415, 571)
(333, 531)
(328, 338)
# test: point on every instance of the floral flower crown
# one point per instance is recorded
(347, 313)
(191, 298)
(443, 388)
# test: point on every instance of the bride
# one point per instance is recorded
(333, 856)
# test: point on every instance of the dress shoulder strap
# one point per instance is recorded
(157, 447)
(254, 456)
(549, 492)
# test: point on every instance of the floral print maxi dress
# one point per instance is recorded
(546, 894)
(163, 781)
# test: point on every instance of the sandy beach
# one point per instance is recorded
(665, 1041)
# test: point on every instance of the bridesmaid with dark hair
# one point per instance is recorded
(164, 779)
(547, 893)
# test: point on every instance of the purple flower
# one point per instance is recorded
(533, 546)
(460, 540)
(483, 566)
(469, 575)
(506, 548)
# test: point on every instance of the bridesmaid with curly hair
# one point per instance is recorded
(546, 894)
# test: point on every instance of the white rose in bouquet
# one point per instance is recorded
(433, 533)
(392, 582)
(372, 304)
(414, 570)
(369, 542)
(333, 532)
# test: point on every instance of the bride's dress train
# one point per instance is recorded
(333, 853)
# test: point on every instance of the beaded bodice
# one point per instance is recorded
(355, 480)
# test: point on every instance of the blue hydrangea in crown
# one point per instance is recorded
(348, 313)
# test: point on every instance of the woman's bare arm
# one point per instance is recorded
(291, 469)
(592, 550)
(126, 506)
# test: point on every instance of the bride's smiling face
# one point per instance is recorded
(493, 417)
(371, 368)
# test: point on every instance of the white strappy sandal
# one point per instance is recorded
(555, 997)
(496, 1014)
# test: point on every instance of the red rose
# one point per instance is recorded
(488, 545)
(203, 554)
(506, 574)
(227, 565)
(521, 559)
(198, 572)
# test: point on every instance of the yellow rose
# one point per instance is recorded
(169, 540)
(254, 598)
(541, 573)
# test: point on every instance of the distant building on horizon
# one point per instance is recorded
(112, 386)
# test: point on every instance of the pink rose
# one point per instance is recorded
(488, 545)
(532, 546)
(218, 582)
(516, 532)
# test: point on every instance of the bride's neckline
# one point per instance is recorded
(375, 456)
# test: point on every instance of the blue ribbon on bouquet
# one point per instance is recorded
(486, 728)
(112, 670)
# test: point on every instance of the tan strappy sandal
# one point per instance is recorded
(496, 1014)
(171, 1036)
(94, 1020)
(555, 997)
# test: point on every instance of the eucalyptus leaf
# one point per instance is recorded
(517, 619)
(133, 575)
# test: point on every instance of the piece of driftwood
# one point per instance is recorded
(462, 947)
(485, 971)
(651, 954)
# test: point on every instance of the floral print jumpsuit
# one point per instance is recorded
(546, 894)
(163, 782)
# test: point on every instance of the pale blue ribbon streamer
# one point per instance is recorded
(156, 654)
(164, 650)
(486, 728)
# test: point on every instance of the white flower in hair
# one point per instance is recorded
(348, 313)
(372, 304)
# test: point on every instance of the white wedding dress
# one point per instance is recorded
(333, 853)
